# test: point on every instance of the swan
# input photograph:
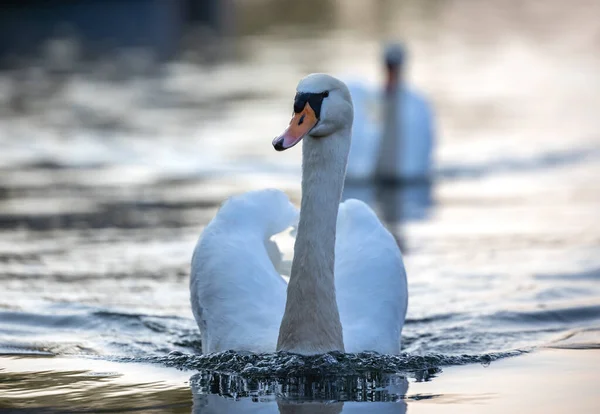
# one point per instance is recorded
(397, 147)
(347, 288)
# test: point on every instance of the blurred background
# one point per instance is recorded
(124, 124)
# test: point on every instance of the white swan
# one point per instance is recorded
(239, 299)
(393, 134)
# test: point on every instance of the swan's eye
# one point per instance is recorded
(325, 94)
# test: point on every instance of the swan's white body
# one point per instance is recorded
(347, 275)
(415, 121)
(238, 296)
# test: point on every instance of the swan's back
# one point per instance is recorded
(366, 131)
(415, 119)
(371, 285)
(417, 125)
(237, 296)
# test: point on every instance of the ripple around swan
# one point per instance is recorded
(286, 365)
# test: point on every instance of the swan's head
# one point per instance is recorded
(394, 55)
(322, 106)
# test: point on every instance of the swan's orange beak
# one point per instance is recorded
(300, 125)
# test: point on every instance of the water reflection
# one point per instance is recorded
(394, 203)
(46, 384)
(369, 393)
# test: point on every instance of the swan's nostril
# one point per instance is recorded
(301, 121)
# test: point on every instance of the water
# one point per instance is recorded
(106, 183)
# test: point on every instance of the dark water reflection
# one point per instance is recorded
(373, 393)
(395, 203)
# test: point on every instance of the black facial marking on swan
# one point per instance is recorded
(315, 100)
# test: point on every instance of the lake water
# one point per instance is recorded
(107, 179)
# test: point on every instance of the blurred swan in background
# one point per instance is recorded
(238, 297)
(394, 133)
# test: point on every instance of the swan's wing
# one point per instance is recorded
(371, 285)
(237, 296)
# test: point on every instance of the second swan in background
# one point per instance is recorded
(394, 129)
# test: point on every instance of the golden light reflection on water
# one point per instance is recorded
(77, 384)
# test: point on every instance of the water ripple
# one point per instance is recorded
(284, 364)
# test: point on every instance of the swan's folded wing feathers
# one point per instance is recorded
(237, 295)
(370, 281)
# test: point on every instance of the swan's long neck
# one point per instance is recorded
(311, 322)
(388, 160)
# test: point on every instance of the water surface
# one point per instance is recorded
(106, 183)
